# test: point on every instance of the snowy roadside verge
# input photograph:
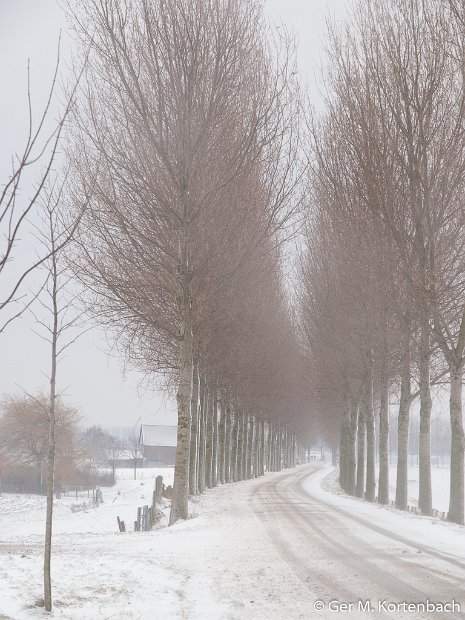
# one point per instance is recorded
(218, 565)
(425, 533)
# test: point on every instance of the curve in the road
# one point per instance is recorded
(339, 555)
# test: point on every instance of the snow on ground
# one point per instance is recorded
(144, 473)
(440, 477)
(23, 515)
(440, 480)
(219, 565)
(87, 566)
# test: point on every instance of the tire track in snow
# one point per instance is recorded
(446, 557)
(324, 534)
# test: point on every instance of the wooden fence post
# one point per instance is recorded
(158, 489)
(145, 518)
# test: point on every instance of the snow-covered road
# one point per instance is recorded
(347, 552)
(274, 548)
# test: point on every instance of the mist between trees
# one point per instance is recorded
(192, 157)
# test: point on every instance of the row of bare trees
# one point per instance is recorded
(383, 281)
(186, 139)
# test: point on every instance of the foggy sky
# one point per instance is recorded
(93, 380)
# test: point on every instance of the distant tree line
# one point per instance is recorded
(84, 457)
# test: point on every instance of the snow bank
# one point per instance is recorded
(425, 532)
(440, 480)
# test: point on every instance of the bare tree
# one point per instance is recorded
(97, 446)
(132, 447)
(59, 329)
(34, 164)
(24, 432)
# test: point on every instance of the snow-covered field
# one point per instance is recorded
(89, 569)
(222, 564)
(439, 482)
(23, 515)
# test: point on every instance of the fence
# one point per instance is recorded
(148, 516)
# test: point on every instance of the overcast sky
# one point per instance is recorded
(94, 380)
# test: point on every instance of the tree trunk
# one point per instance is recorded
(274, 445)
(51, 463)
(269, 447)
(250, 445)
(215, 439)
(284, 444)
(228, 464)
(262, 447)
(249, 441)
(202, 436)
(286, 447)
(256, 463)
(344, 439)
(194, 448)
(274, 462)
(383, 490)
(245, 455)
(272, 448)
(235, 447)
(245, 444)
(403, 428)
(425, 495)
(209, 438)
(179, 503)
(371, 440)
(222, 444)
(456, 498)
(361, 437)
(351, 457)
(291, 448)
(55, 331)
(240, 445)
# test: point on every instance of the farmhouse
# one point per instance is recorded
(158, 445)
